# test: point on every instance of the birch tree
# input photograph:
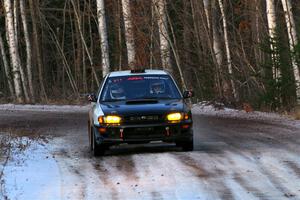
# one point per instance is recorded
(128, 33)
(206, 4)
(103, 37)
(6, 67)
(13, 51)
(24, 81)
(160, 8)
(293, 41)
(271, 19)
(228, 54)
(28, 50)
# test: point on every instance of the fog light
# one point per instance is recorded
(112, 119)
(174, 117)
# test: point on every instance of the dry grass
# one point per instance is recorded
(297, 115)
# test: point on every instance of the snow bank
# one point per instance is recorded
(53, 108)
(203, 108)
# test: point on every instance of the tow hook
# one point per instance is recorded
(167, 131)
(121, 133)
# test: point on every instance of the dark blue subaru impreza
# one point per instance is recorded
(139, 106)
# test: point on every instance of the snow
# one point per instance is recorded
(48, 108)
(204, 109)
(31, 173)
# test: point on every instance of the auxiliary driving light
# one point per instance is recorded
(174, 117)
(110, 119)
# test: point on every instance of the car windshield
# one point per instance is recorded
(139, 87)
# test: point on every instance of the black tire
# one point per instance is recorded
(91, 138)
(97, 149)
(186, 145)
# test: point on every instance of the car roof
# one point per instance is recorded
(129, 73)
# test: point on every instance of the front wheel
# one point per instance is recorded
(97, 149)
(186, 145)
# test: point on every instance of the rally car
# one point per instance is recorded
(139, 106)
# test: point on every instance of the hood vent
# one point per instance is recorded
(141, 101)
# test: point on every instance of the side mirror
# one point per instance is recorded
(92, 97)
(188, 94)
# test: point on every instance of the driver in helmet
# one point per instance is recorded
(117, 92)
(157, 88)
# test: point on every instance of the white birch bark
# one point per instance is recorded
(293, 40)
(228, 54)
(160, 7)
(271, 18)
(216, 38)
(206, 4)
(103, 37)
(6, 67)
(128, 33)
(13, 49)
(16, 15)
(22, 72)
(28, 50)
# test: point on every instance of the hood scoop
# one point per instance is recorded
(141, 101)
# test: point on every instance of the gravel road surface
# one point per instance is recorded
(45, 155)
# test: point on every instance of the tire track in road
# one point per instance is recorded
(156, 195)
(191, 163)
(294, 167)
(104, 175)
(65, 162)
(126, 166)
(249, 188)
(212, 177)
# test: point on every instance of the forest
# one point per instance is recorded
(229, 51)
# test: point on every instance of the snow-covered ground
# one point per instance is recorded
(48, 108)
(238, 155)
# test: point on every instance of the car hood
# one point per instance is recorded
(124, 108)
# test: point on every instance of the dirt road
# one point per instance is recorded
(234, 159)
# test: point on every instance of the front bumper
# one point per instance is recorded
(143, 133)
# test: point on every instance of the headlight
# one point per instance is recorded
(174, 117)
(110, 119)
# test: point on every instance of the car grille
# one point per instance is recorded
(144, 119)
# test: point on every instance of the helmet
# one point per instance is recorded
(117, 92)
(158, 87)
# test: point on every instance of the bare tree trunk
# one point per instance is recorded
(24, 81)
(228, 54)
(28, 50)
(271, 17)
(36, 43)
(293, 41)
(160, 6)
(174, 49)
(206, 4)
(13, 49)
(103, 37)
(16, 21)
(84, 44)
(120, 34)
(218, 54)
(128, 33)
(216, 38)
(6, 68)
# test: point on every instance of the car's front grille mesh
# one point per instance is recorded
(145, 119)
